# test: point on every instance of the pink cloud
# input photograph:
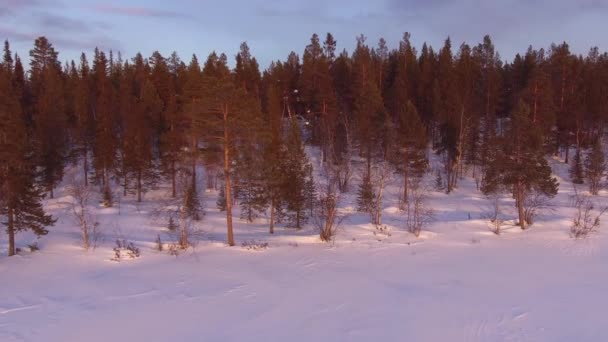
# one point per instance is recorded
(136, 11)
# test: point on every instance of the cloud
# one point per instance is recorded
(63, 23)
(8, 7)
(16, 36)
(62, 41)
(137, 11)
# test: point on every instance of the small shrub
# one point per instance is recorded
(125, 249)
(383, 230)
(174, 249)
(494, 214)
(587, 218)
(255, 245)
(171, 225)
(33, 247)
(535, 203)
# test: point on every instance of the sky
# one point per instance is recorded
(273, 28)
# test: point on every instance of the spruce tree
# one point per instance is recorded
(49, 113)
(294, 178)
(366, 195)
(273, 152)
(595, 167)
(105, 137)
(141, 108)
(172, 137)
(20, 198)
(221, 200)
(576, 170)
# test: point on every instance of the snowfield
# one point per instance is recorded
(457, 282)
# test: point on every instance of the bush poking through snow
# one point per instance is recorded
(255, 245)
(418, 214)
(171, 225)
(33, 247)
(586, 219)
(535, 203)
(125, 249)
(383, 230)
(174, 249)
(326, 218)
(494, 214)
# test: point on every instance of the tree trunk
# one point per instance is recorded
(271, 216)
(51, 193)
(405, 176)
(139, 186)
(106, 181)
(227, 185)
(183, 239)
(85, 231)
(173, 187)
(86, 167)
(519, 193)
(193, 158)
(11, 232)
(298, 219)
(535, 110)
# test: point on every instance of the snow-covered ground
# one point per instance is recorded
(458, 282)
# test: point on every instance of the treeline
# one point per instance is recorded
(135, 123)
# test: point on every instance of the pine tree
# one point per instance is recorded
(226, 117)
(519, 163)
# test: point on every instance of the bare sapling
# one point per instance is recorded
(82, 213)
(494, 214)
(326, 218)
(418, 213)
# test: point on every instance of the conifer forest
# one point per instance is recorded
(403, 151)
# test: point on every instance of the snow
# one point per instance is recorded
(457, 282)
